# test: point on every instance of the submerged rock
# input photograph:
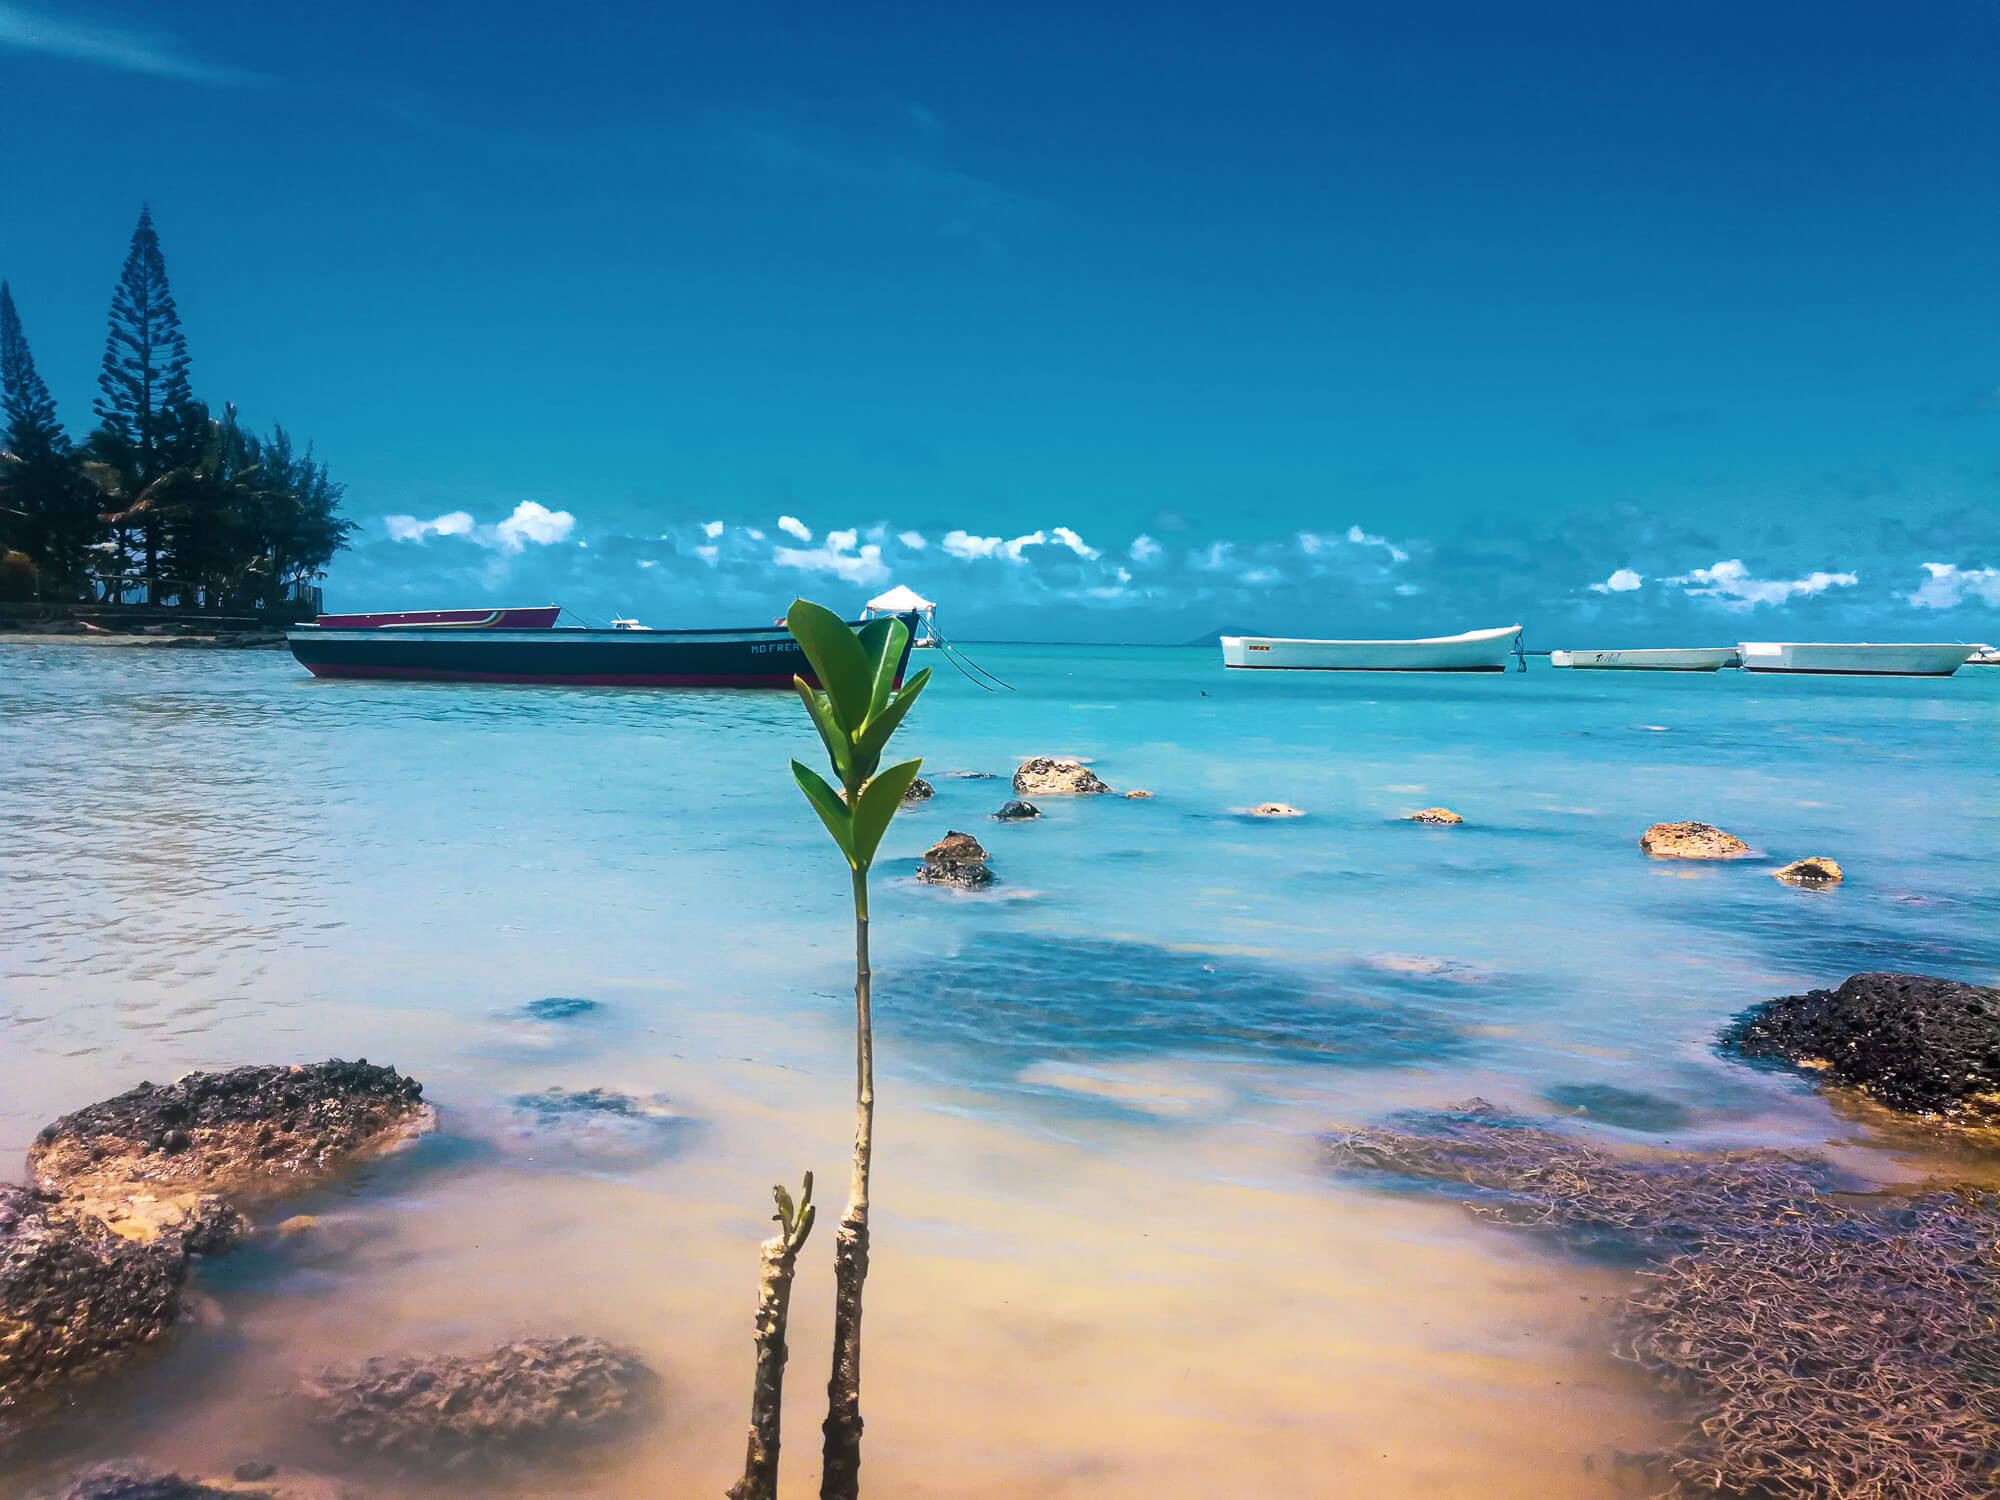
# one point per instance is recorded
(1275, 810)
(956, 859)
(1139, 794)
(561, 1008)
(1436, 815)
(1917, 1043)
(1046, 776)
(1018, 811)
(74, 1296)
(135, 1481)
(521, 1399)
(920, 791)
(1816, 871)
(146, 1161)
(1691, 841)
(555, 1102)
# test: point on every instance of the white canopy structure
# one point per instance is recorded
(901, 601)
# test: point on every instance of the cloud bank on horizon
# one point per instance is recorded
(1053, 583)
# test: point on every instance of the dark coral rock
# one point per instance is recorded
(1018, 811)
(74, 1296)
(1917, 1043)
(523, 1399)
(145, 1161)
(920, 790)
(558, 1101)
(956, 859)
(120, 1481)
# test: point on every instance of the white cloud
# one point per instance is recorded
(532, 522)
(1075, 543)
(914, 540)
(1014, 548)
(410, 529)
(1731, 583)
(793, 526)
(1949, 585)
(964, 545)
(711, 529)
(753, 533)
(1623, 581)
(836, 556)
(1144, 549)
(1361, 538)
(129, 51)
(1214, 560)
(708, 554)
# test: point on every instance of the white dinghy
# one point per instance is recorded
(1475, 651)
(1856, 658)
(1650, 659)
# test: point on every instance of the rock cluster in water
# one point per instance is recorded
(93, 1258)
(1827, 1347)
(1691, 841)
(1811, 873)
(1046, 776)
(1917, 1043)
(519, 1401)
(919, 790)
(1275, 810)
(1439, 815)
(956, 859)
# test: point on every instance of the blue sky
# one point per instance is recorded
(1631, 323)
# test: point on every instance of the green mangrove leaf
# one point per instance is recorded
(874, 739)
(837, 660)
(832, 811)
(839, 748)
(876, 806)
(882, 643)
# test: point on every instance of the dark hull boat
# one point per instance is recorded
(759, 657)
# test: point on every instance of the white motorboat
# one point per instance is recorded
(1650, 659)
(1475, 651)
(1856, 658)
(1985, 656)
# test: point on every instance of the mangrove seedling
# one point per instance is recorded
(856, 708)
(780, 1257)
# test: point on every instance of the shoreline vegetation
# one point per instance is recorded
(167, 500)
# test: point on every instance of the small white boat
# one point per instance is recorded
(1475, 651)
(1985, 656)
(1856, 658)
(1651, 659)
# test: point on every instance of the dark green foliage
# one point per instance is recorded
(47, 512)
(202, 509)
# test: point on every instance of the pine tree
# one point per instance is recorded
(144, 378)
(146, 403)
(32, 429)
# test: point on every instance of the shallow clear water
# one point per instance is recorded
(1107, 1258)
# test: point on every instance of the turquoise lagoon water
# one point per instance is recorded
(1108, 1259)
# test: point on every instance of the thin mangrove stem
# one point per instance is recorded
(840, 1472)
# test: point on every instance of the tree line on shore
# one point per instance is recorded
(166, 499)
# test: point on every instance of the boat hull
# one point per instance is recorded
(1855, 659)
(1475, 651)
(538, 617)
(764, 657)
(1651, 659)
